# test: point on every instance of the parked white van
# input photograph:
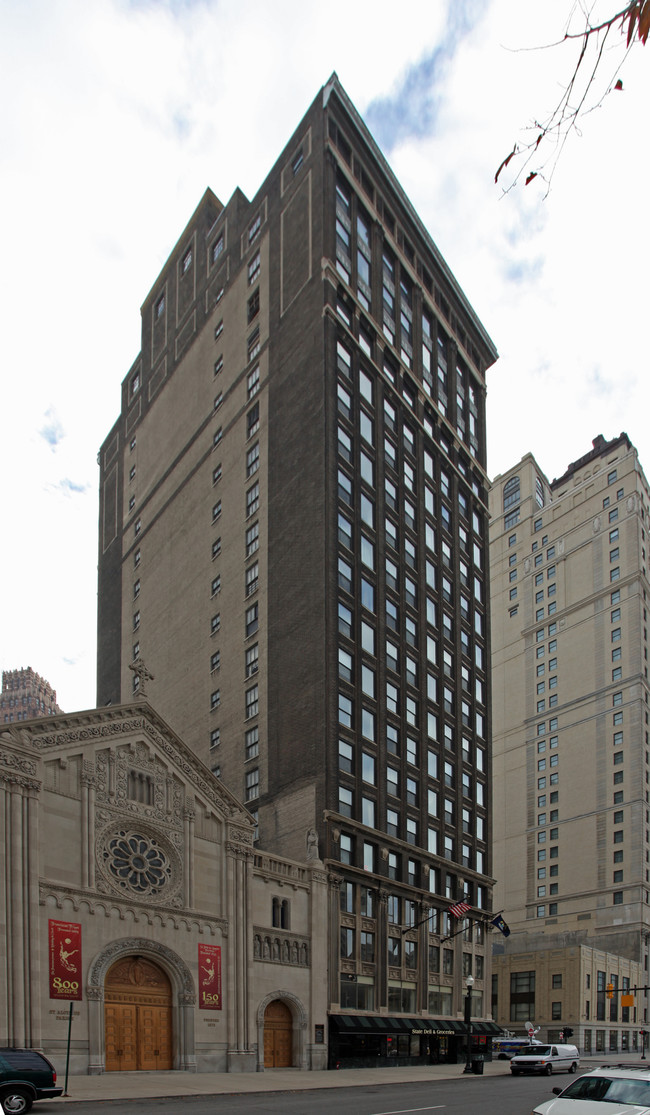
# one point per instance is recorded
(547, 1059)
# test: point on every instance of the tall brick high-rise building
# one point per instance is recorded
(25, 695)
(293, 539)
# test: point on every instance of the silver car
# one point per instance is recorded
(609, 1090)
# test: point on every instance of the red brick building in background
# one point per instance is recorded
(25, 695)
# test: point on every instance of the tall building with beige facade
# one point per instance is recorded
(571, 768)
(293, 538)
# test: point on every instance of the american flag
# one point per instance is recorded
(459, 908)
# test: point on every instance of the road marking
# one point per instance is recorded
(407, 1110)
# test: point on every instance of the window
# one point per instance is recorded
(345, 855)
(254, 268)
(216, 511)
(254, 345)
(252, 620)
(217, 248)
(215, 587)
(345, 710)
(251, 578)
(254, 228)
(252, 539)
(253, 382)
(252, 500)
(215, 661)
(368, 812)
(215, 699)
(345, 801)
(215, 737)
(216, 548)
(253, 459)
(346, 754)
(252, 702)
(345, 665)
(252, 784)
(253, 306)
(345, 620)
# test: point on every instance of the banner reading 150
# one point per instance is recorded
(65, 960)
(209, 977)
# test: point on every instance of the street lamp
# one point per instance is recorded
(468, 1022)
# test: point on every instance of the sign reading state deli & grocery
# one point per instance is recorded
(431, 1032)
(65, 960)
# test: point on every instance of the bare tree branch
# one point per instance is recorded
(581, 95)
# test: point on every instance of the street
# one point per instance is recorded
(501, 1095)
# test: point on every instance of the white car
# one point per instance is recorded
(608, 1090)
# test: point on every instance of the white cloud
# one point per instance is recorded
(121, 115)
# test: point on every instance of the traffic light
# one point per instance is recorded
(568, 1032)
(610, 990)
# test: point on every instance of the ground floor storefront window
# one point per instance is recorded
(366, 1041)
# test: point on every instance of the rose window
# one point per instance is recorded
(137, 863)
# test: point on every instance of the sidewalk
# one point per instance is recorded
(158, 1085)
(138, 1085)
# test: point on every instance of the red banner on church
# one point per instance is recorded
(209, 977)
(65, 960)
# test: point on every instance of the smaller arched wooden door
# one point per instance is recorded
(278, 1028)
(137, 1017)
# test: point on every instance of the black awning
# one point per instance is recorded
(490, 1029)
(383, 1024)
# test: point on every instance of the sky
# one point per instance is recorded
(119, 113)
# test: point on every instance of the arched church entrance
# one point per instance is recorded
(278, 1028)
(137, 1016)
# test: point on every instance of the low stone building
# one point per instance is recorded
(131, 895)
(563, 982)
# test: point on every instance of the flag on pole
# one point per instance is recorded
(459, 908)
(501, 925)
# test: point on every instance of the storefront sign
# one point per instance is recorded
(433, 1033)
(65, 960)
(209, 977)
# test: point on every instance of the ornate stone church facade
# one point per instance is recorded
(134, 900)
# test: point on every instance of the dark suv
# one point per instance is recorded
(25, 1076)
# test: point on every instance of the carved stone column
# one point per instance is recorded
(333, 938)
(16, 922)
(33, 1037)
(188, 873)
(88, 824)
(241, 1057)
